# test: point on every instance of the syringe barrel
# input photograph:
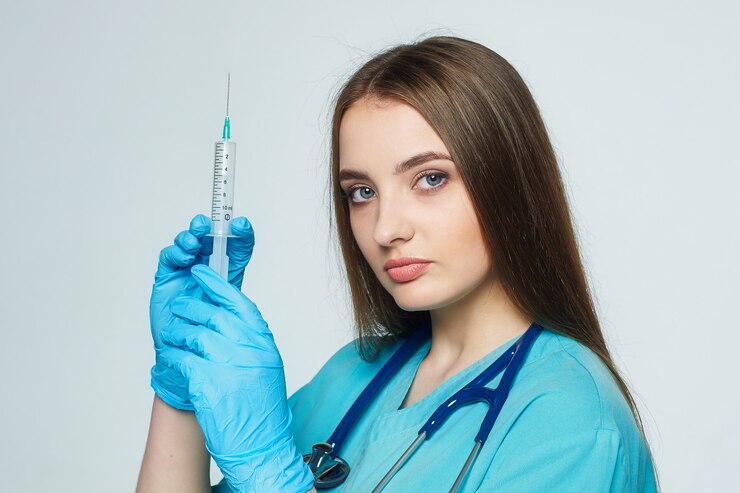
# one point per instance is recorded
(222, 206)
(218, 260)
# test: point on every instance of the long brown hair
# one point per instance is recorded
(487, 118)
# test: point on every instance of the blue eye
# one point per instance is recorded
(365, 193)
(433, 178)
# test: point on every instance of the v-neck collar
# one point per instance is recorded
(399, 386)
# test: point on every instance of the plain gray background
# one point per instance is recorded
(108, 115)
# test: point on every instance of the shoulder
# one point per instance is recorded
(571, 383)
(347, 363)
(568, 412)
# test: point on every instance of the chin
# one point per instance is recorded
(416, 301)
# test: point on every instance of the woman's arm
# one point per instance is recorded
(175, 459)
(226, 353)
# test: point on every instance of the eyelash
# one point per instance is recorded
(444, 176)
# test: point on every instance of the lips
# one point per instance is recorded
(406, 269)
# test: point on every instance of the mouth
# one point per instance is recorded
(406, 269)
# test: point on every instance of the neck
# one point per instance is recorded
(468, 329)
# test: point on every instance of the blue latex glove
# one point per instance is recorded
(236, 383)
(173, 279)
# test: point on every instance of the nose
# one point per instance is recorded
(393, 224)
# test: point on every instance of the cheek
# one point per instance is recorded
(466, 243)
(362, 233)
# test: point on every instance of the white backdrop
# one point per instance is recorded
(108, 114)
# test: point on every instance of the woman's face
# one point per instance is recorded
(419, 210)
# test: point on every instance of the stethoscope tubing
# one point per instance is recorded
(466, 467)
(400, 462)
(396, 361)
(476, 391)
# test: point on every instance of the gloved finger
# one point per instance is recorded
(239, 249)
(200, 226)
(206, 248)
(188, 242)
(179, 360)
(192, 240)
(171, 387)
(227, 296)
(182, 253)
(172, 259)
(215, 318)
(214, 347)
(194, 338)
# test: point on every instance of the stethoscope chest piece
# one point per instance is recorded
(328, 471)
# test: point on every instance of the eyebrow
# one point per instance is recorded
(402, 167)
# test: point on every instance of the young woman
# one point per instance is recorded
(461, 258)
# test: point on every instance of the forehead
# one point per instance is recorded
(372, 130)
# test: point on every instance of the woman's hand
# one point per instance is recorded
(227, 355)
(173, 279)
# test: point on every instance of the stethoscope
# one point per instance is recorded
(330, 470)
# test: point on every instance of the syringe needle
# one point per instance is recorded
(227, 123)
(228, 90)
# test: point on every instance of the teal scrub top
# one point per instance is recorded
(565, 426)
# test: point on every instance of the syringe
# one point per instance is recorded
(222, 206)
